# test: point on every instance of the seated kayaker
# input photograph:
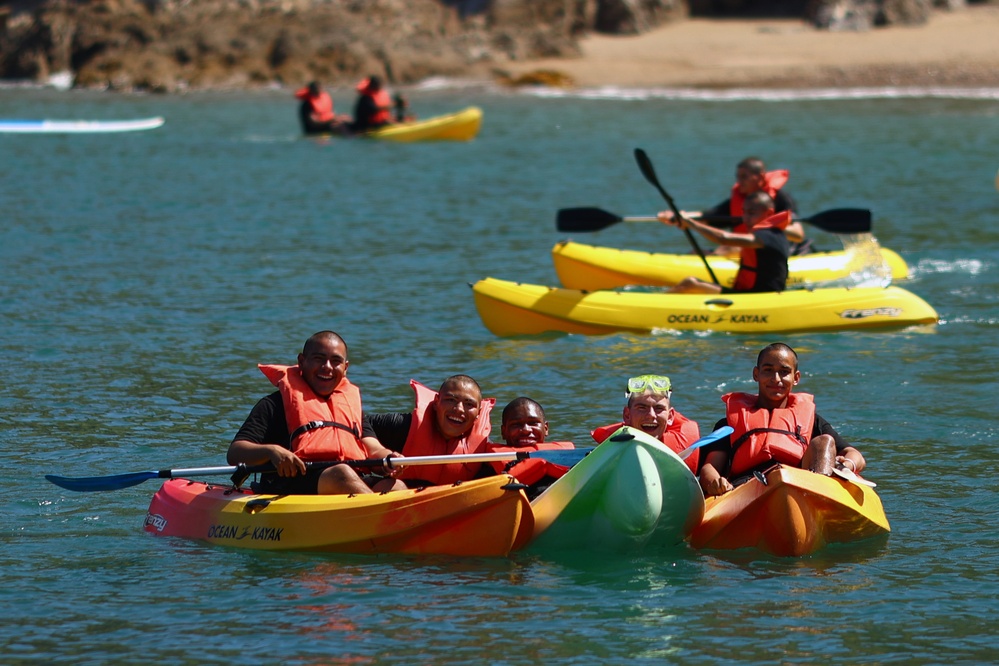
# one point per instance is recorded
(374, 106)
(281, 427)
(751, 176)
(452, 420)
(525, 429)
(316, 112)
(773, 426)
(649, 409)
(763, 250)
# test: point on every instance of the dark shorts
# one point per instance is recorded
(272, 484)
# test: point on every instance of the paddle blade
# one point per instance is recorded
(565, 457)
(842, 220)
(645, 166)
(852, 477)
(710, 438)
(584, 219)
(83, 484)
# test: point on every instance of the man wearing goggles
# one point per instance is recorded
(648, 409)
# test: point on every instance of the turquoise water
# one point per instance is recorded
(144, 275)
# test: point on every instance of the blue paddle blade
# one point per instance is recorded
(710, 438)
(84, 484)
(565, 457)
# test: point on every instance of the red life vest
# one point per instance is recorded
(425, 439)
(382, 102)
(320, 428)
(531, 470)
(320, 106)
(678, 436)
(772, 181)
(745, 278)
(761, 435)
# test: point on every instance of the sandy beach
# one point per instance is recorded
(952, 49)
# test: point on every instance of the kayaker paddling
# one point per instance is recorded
(774, 426)
(648, 408)
(315, 415)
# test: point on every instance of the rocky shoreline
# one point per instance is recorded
(172, 46)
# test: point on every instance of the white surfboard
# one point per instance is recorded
(78, 126)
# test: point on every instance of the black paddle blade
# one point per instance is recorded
(584, 219)
(842, 220)
(645, 165)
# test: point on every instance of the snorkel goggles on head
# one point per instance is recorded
(659, 384)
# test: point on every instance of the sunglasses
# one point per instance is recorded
(654, 383)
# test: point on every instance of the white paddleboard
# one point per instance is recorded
(78, 126)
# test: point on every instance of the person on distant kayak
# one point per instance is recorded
(763, 250)
(373, 108)
(751, 176)
(316, 111)
(452, 420)
(524, 428)
(314, 416)
(773, 426)
(648, 409)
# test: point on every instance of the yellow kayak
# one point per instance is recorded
(796, 512)
(484, 517)
(461, 126)
(581, 266)
(511, 308)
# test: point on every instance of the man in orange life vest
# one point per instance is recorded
(452, 420)
(751, 176)
(373, 108)
(773, 426)
(648, 409)
(524, 428)
(316, 111)
(314, 416)
(763, 250)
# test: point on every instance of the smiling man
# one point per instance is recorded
(452, 420)
(314, 416)
(648, 409)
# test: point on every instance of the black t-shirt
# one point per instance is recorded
(391, 429)
(821, 427)
(266, 423)
(771, 260)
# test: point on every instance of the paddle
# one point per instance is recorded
(645, 164)
(118, 481)
(851, 476)
(724, 431)
(836, 220)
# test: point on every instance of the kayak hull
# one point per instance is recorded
(461, 126)
(485, 517)
(581, 266)
(631, 491)
(510, 308)
(795, 513)
(78, 126)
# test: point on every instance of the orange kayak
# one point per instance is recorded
(796, 512)
(484, 517)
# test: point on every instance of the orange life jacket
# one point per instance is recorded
(745, 278)
(678, 436)
(382, 102)
(320, 428)
(761, 435)
(425, 439)
(530, 470)
(772, 181)
(320, 106)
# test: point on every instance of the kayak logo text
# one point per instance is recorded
(156, 521)
(254, 534)
(871, 312)
(706, 319)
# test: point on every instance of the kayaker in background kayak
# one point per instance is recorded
(524, 428)
(649, 409)
(316, 112)
(763, 250)
(373, 108)
(751, 176)
(452, 420)
(773, 426)
(281, 428)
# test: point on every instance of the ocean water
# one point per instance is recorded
(145, 275)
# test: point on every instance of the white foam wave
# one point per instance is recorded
(766, 95)
(933, 266)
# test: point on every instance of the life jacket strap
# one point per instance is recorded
(315, 425)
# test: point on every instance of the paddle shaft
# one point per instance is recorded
(645, 164)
